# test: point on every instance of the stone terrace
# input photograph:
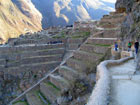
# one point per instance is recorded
(72, 82)
(23, 63)
(27, 59)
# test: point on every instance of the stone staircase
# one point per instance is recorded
(72, 82)
(74, 43)
(24, 64)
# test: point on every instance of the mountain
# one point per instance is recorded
(62, 12)
(21, 16)
(13, 22)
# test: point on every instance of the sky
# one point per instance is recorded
(110, 1)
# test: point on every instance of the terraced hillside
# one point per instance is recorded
(71, 83)
(24, 61)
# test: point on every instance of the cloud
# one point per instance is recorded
(110, 1)
(99, 4)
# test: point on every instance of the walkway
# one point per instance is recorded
(125, 86)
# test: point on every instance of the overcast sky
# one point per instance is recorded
(110, 1)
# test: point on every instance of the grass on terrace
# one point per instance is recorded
(73, 35)
(52, 85)
(20, 102)
(40, 95)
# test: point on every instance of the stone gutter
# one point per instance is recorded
(100, 94)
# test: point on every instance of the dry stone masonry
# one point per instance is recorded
(72, 82)
(27, 59)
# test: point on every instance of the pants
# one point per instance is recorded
(116, 49)
(136, 50)
(129, 49)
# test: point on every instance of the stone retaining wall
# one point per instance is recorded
(29, 48)
(35, 41)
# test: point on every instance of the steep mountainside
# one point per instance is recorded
(62, 12)
(130, 29)
(20, 16)
(13, 22)
(131, 25)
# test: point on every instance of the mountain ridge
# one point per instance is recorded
(14, 22)
(22, 16)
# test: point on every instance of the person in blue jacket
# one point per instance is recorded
(116, 46)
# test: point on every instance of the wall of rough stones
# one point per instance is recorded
(130, 28)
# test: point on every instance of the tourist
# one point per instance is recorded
(129, 46)
(116, 46)
(136, 46)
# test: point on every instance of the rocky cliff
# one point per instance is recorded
(131, 25)
(63, 12)
(13, 22)
(130, 29)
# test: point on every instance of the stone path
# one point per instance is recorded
(125, 85)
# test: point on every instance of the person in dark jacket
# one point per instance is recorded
(136, 46)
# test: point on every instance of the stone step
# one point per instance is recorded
(75, 40)
(19, 49)
(59, 81)
(113, 20)
(93, 48)
(20, 103)
(102, 41)
(68, 73)
(87, 57)
(35, 59)
(50, 91)
(3, 61)
(76, 65)
(107, 34)
(73, 46)
(33, 98)
(22, 55)
(106, 24)
(47, 66)
(115, 14)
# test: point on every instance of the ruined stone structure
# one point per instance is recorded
(72, 81)
(27, 59)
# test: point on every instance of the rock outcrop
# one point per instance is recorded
(131, 25)
(130, 29)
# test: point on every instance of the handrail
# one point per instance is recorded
(100, 93)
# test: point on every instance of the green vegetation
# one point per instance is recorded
(39, 94)
(21, 102)
(73, 35)
(101, 45)
(81, 35)
(59, 36)
(52, 85)
(62, 34)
